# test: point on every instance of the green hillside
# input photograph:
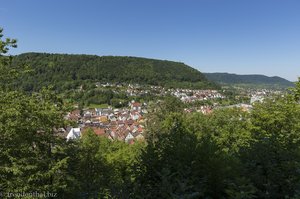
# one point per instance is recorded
(256, 80)
(68, 70)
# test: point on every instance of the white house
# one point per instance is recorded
(74, 133)
(129, 137)
(256, 98)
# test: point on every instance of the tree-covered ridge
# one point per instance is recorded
(227, 78)
(57, 69)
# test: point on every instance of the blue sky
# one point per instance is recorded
(237, 36)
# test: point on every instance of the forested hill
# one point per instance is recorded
(227, 78)
(64, 69)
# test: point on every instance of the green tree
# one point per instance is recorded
(158, 112)
(221, 135)
(296, 91)
(7, 73)
(272, 159)
(92, 170)
(164, 167)
(29, 143)
(122, 159)
(228, 127)
(178, 163)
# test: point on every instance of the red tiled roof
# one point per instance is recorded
(75, 112)
(129, 122)
(136, 104)
(99, 131)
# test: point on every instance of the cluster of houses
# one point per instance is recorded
(135, 90)
(185, 95)
(188, 95)
(124, 124)
(206, 109)
(258, 95)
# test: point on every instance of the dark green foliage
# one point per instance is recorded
(107, 96)
(31, 152)
(228, 154)
(193, 156)
(101, 168)
(176, 164)
(7, 73)
(255, 80)
(61, 69)
(272, 159)
(29, 156)
(92, 170)
(296, 91)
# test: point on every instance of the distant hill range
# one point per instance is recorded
(67, 71)
(250, 80)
